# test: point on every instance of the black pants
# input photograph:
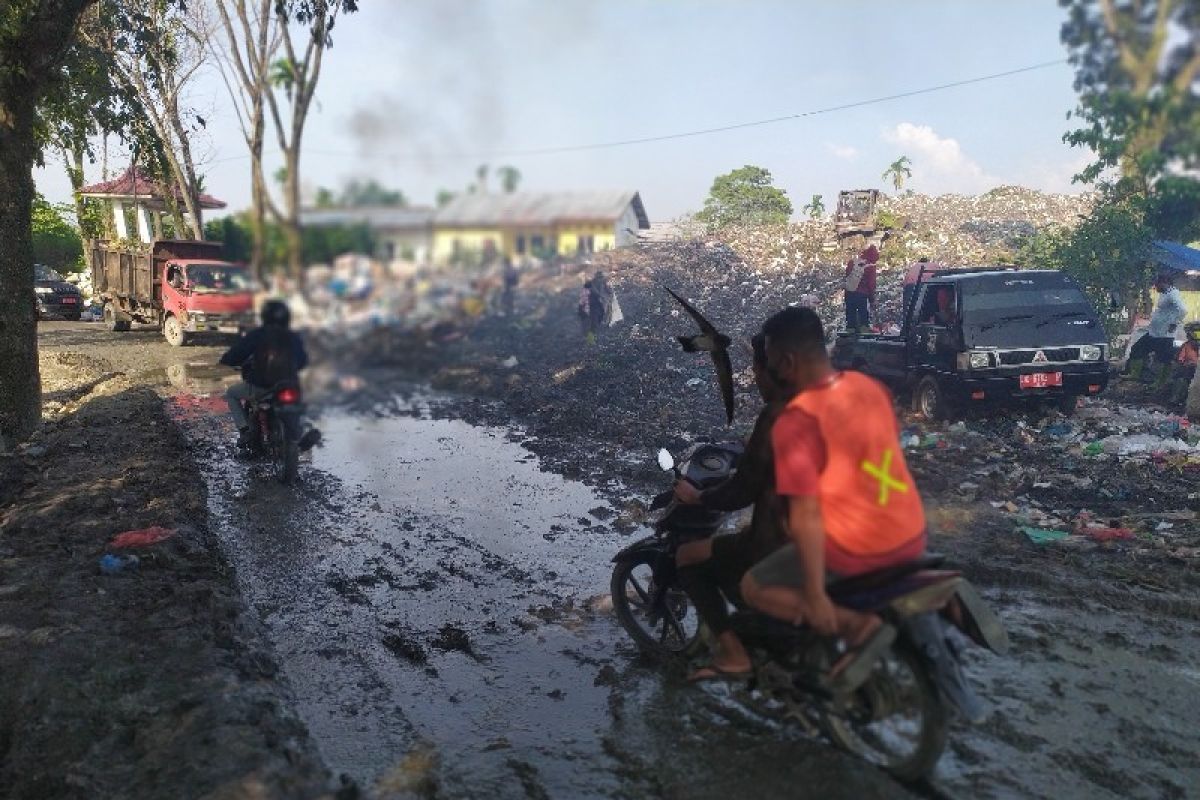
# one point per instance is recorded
(1163, 348)
(858, 311)
(712, 584)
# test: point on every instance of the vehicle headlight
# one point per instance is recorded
(43, 290)
(1090, 352)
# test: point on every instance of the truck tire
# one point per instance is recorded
(113, 319)
(929, 400)
(173, 331)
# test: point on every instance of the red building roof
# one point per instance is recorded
(131, 185)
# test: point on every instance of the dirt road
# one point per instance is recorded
(436, 601)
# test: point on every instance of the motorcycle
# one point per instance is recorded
(898, 718)
(274, 416)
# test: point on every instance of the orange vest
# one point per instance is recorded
(869, 502)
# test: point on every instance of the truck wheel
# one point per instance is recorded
(111, 320)
(930, 401)
(173, 332)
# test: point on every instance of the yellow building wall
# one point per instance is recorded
(564, 239)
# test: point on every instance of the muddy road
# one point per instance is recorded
(436, 597)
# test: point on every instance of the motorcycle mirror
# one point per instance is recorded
(665, 460)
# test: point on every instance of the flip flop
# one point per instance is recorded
(854, 667)
(717, 674)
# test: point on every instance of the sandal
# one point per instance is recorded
(854, 667)
(711, 673)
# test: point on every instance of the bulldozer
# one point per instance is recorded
(856, 213)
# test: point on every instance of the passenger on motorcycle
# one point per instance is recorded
(711, 567)
(268, 356)
(850, 504)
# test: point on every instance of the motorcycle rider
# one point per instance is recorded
(267, 356)
(711, 567)
(849, 503)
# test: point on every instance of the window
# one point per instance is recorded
(587, 244)
(537, 243)
(521, 245)
(389, 250)
(938, 305)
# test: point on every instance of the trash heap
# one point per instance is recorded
(1114, 476)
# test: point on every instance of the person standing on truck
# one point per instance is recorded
(860, 289)
(267, 356)
(1168, 314)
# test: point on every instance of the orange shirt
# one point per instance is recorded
(840, 442)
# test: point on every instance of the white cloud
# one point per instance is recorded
(842, 151)
(938, 163)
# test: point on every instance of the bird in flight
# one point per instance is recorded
(716, 344)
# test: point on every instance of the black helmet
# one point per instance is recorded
(275, 312)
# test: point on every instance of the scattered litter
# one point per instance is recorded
(1164, 526)
(142, 538)
(112, 565)
(694, 382)
(1108, 534)
(1043, 535)
(509, 362)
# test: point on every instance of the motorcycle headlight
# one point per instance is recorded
(1090, 352)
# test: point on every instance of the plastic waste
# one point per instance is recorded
(143, 537)
(1043, 535)
(509, 362)
(1093, 448)
(112, 564)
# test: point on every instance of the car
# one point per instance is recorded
(987, 336)
(56, 298)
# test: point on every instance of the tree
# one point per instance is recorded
(898, 172)
(815, 208)
(481, 180)
(34, 38)
(56, 242)
(443, 197)
(371, 193)
(510, 178)
(745, 197)
(325, 198)
(1136, 70)
(153, 52)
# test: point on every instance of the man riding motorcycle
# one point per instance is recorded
(268, 355)
(850, 504)
(711, 567)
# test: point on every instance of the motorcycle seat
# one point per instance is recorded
(868, 581)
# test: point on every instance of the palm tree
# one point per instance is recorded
(510, 178)
(898, 171)
(815, 208)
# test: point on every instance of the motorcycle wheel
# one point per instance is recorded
(672, 631)
(286, 452)
(897, 720)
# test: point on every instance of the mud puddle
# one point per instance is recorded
(440, 609)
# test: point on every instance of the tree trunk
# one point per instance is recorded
(291, 224)
(21, 395)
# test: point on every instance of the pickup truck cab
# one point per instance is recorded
(987, 335)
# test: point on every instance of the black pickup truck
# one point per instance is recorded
(987, 335)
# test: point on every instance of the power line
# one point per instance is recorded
(540, 151)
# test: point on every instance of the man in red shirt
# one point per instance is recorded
(860, 289)
(847, 497)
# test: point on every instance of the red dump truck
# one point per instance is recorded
(183, 287)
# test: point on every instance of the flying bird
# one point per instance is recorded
(716, 344)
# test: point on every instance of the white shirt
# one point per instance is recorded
(1169, 311)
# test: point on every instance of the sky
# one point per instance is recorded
(417, 93)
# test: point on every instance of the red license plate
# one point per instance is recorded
(1041, 380)
(69, 301)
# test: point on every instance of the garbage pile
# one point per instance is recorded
(1115, 476)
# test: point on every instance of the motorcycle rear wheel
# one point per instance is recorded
(286, 452)
(670, 632)
(869, 724)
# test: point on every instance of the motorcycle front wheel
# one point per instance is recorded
(897, 720)
(661, 627)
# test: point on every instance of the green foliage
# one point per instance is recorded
(745, 197)
(370, 193)
(1136, 70)
(887, 220)
(815, 208)
(898, 172)
(443, 197)
(510, 178)
(56, 242)
(319, 244)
